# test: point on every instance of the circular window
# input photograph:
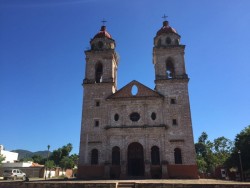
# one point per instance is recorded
(153, 116)
(134, 90)
(134, 116)
(100, 44)
(168, 40)
(116, 117)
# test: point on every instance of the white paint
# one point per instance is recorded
(10, 157)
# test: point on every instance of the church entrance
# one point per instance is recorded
(135, 159)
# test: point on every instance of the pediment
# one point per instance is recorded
(142, 92)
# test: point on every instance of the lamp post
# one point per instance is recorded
(47, 161)
(241, 169)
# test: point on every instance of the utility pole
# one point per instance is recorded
(241, 169)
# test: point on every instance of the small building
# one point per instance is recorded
(10, 157)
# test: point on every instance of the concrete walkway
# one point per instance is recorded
(170, 183)
(149, 181)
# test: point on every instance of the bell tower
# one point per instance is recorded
(100, 82)
(102, 61)
(171, 80)
(168, 58)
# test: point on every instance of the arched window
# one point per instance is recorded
(116, 117)
(177, 156)
(155, 155)
(168, 40)
(177, 42)
(159, 43)
(100, 44)
(98, 73)
(170, 69)
(94, 156)
(116, 155)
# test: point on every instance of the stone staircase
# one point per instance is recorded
(126, 185)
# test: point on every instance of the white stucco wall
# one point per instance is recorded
(17, 165)
(10, 157)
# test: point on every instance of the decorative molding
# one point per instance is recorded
(177, 140)
(136, 126)
(94, 142)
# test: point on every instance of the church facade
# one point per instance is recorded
(136, 132)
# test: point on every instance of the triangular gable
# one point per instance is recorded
(142, 91)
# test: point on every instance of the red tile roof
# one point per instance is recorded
(103, 33)
(166, 29)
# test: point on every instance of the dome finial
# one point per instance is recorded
(103, 22)
(165, 22)
(103, 28)
(103, 32)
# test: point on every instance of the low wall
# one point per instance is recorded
(55, 185)
(31, 172)
(183, 171)
(173, 172)
(115, 172)
(71, 184)
(91, 172)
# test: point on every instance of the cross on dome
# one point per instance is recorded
(164, 17)
(103, 21)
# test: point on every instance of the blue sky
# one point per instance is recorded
(42, 62)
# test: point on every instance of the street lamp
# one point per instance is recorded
(47, 161)
(241, 169)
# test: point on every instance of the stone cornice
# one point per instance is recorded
(176, 140)
(174, 80)
(136, 126)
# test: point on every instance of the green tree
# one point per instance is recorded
(60, 153)
(203, 138)
(209, 154)
(242, 144)
(67, 163)
(25, 159)
(56, 156)
(2, 158)
(38, 159)
(75, 158)
(201, 163)
(66, 149)
(49, 164)
(222, 149)
(204, 155)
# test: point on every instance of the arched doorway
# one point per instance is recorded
(135, 159)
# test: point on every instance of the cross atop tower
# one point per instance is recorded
(103, 21)
(164, 17)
